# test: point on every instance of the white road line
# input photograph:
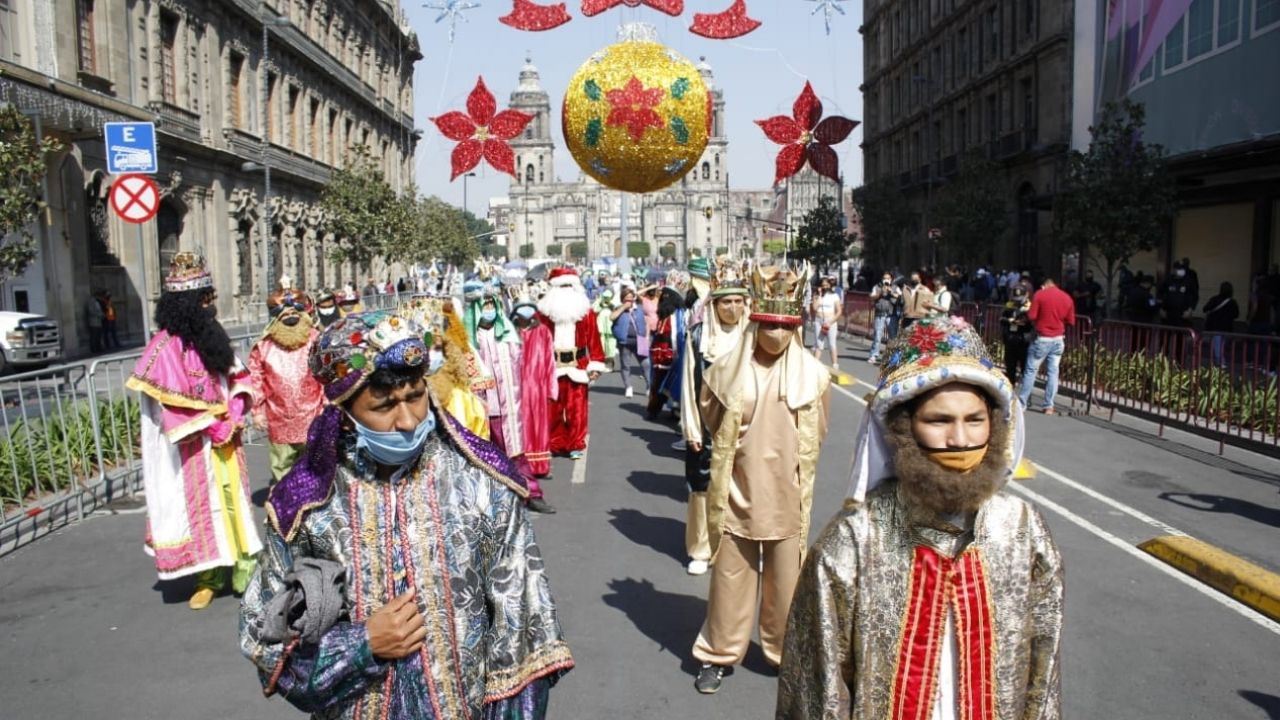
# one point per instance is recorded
(1132, 512)
(1224, 600)
(1227, 602)
(580, 465)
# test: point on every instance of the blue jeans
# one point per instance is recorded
(880, 336)
(1042, 349)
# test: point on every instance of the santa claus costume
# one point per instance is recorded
(579, 358)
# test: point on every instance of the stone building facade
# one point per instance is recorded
(947, 77)
(338, 74)
(544, 214)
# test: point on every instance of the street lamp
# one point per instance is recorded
(269, 20)
(464, 191)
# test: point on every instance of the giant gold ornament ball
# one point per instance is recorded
(601, 130)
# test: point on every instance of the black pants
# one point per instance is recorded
(95, 339)
(1015, 359)
(697, 465)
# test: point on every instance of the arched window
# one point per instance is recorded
(541, 176)
(706, 171)
(168, 232)
(528, 173)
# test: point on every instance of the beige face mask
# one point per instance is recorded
(774, 343)
(963, 460)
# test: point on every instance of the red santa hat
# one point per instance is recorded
(564, 277)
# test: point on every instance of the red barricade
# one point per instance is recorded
(1236, 390)
(859, 313)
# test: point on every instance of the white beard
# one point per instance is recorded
(564, 305)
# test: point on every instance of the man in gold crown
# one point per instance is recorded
(934, 593)
(765, 408)
(716, 330)
(288, 398)
(195, 398)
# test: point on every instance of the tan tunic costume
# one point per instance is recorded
(767, 425)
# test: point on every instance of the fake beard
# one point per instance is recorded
(564, 304)
(927, 486)
(291, 337)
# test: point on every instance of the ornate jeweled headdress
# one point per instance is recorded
(187, 272)
(778, 294)
(730, 278)
(349, 351)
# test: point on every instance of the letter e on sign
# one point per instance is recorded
(135, 198)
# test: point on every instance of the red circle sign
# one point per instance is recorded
(135, 198)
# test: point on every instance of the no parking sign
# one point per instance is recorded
(135, 198)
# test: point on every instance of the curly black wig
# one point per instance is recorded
(669, 301)
(181, 315)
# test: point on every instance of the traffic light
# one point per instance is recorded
(708, 212)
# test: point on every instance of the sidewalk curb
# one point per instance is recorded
(1250, 584)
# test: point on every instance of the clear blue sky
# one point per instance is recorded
(761, 74)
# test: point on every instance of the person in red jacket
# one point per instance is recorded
(1052, 311)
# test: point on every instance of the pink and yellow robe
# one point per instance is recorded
(194, 475)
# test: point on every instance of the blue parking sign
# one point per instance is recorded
(131, 147)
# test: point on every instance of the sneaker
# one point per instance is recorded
(709, 678)
(540, 505)
(1050, 411)
(679, 445)
(575, 455)
(698, 567)
(629, 392)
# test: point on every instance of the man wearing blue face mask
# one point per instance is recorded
(432, 597)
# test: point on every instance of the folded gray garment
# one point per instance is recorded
(313, 599)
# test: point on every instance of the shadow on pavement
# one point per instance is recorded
(659, 440)
(652, 483)
(1269, 703)
(173, 592)
(662, 534)
(669, 619)
(1220, 504)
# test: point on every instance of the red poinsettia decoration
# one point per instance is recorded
(482, 132)
(633, 106)
(925, 338)
(805, 139)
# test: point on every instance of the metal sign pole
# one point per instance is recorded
(146, 289)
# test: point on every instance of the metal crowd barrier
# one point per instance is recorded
(70, 443)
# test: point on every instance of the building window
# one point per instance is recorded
(962, 130)
(1028, 104)
(317, 140)
(1199, 28)
(1228, 22)
(528, 173)
(1173, 46)
(168, 58)
(84, 36)
(993, 116)
(993, 25)
(1266, 14)
(333, 140)
(1029, 16)
(706, 171)
(270, 115)
(235, 71)
(293, 140)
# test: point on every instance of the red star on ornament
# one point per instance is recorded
(806, 139)
(633, 106)
(482, 132)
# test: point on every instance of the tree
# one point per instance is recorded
(971, 211)
(885, 217)
(578, 250)
(1118, 198)
(639, 250)
(821, 239)
(555, 250)
(440, 231)
(21, 203)
(363, 212)
(775, 246)
(477, 226)
(526, 251)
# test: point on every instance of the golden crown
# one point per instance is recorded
(730, 277)
(778, 294)
(187, 271)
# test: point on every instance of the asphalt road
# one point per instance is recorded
(85, 630)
